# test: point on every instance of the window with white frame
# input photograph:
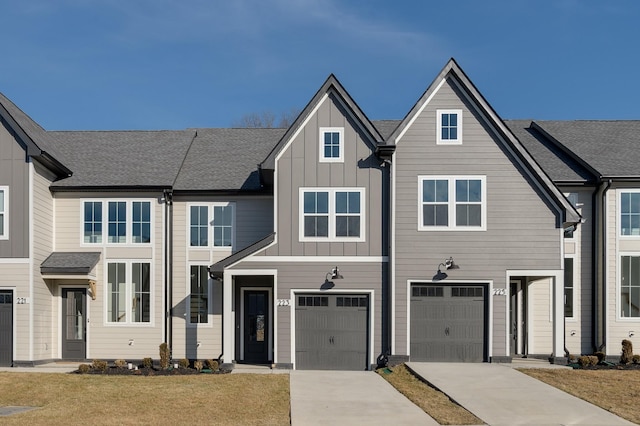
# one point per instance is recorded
(568, 287)
(331, 144)
(4, 212)
(630, 213)
(449, 126)
(212, 225)
(335, 214)
(128, 292)
(199, 295)
(630, 287)
(127, 222)
(452, 203)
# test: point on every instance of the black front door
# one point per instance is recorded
(6, 328)
(256, 326)
(74, 322)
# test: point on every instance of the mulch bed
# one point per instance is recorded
(607, 366)
(115, 371)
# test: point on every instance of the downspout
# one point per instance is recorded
(599, 293)
(168, 285)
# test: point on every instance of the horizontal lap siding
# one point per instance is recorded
(15, 276)
(522, 230)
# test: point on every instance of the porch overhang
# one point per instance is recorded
(70, 265)
(216, 271)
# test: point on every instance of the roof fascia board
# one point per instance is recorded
(59, 188)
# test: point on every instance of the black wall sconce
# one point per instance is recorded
(447, 264)
(334, 274)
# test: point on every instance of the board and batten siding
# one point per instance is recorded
(298, 166)
(522, 231)
(14, 173)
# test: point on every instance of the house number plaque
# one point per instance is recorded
(499, 291)
(284, 302)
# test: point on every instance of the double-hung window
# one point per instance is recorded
(332, 214)
(630, 213)
(452, 203)
(630, 287)
(127, 222)
(199, 295)
(449, 126)
(568, 287)
(128, 292)
(4, 212)
(212, 225)
(331, 144)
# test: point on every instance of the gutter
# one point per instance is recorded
(168, 284)
(599, 294)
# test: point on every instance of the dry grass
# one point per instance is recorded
(433, 402)
(247, 399)
(617, 391)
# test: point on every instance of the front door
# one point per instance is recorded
(6, 328)
(256, 326)
(74, 330)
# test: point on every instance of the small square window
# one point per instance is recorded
(449, 126)
(331, 144)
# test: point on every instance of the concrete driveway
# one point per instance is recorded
(500, 395)
(350, 398)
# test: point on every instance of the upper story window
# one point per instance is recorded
(128, 222)
(331, 144)
(449, 126)
(630, 287)
(335, 214)
(212, 225)
(199, 295)
(568, 287)
(4, 212)
(630, 213)
(128, 292)
(452, 203)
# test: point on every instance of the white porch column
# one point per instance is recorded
(228, 318)
(558, 315)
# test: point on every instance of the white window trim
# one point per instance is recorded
(452, 204)
(332, 215)
(209, 323)
(439, 140)
(210, 209)
(5, 213)
(340, 158)
(129, 226)
(129, 293)
(619, 212)
(573, 317)
(618, 295)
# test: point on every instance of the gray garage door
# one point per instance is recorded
(6, 328)
(332, 332)
(448, 323)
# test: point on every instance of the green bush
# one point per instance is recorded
(627, 352)
(84, 368)
(99, 365)
(601, 356)
(165, 355)
(147, 363)
(183, 363)
(212, 364)
(120, 363)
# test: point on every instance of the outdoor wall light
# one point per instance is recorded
(447, 264)
(632, 333)
(333, 275)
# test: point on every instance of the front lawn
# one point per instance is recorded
(617, 391)
(248, 399)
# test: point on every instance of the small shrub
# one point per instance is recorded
(593, 360)
(84, 368)
(198, 365)
(212, 364)
(636, 359)
(587, 360)
(165, 355)
(147, 363)
(601, 356)
(627, 352)
(120, 363)
(572, 359)
(183, 363)
(99, 365)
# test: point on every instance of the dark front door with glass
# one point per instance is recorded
(256, 326)
(74, 323)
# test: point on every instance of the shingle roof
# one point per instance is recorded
(610, 147)
(226, 159)
(560, 166)
(105, 159)
(70, 262)
(386, 127)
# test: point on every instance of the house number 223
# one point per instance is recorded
(499, 291)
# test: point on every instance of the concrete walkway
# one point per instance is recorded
(350, 398)
(500, 395)
(53, 367)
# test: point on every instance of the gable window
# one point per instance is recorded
(449, 126)
(212, 225)
(630, 287)
(127, 222)
(332, 214)
(199, 296)
(568, 288)
(452, 203)
(630, 213)
(4, 212)
(331, 144)
(128, 292)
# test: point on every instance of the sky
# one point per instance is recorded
(176, 64)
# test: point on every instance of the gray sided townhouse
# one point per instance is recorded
(337, 243)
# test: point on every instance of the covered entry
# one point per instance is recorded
(6, 328)
(332, 331)
(448, 322)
